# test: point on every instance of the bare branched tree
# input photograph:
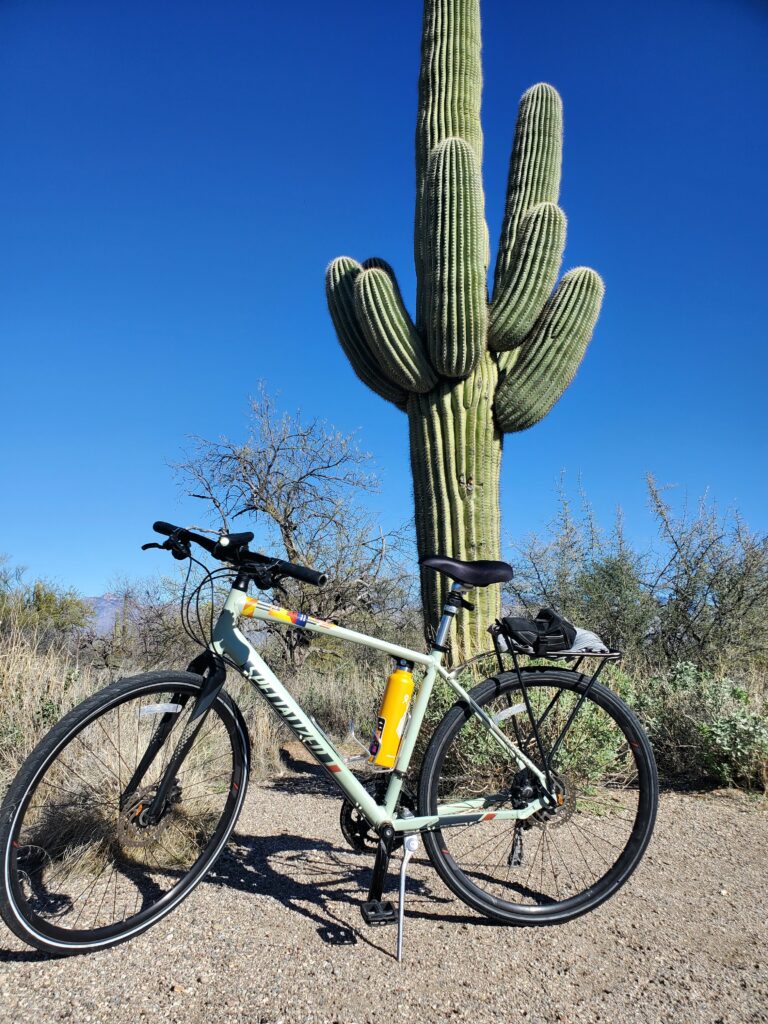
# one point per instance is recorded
(301, 487)
(590, 575)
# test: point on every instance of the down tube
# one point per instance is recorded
(230, 641)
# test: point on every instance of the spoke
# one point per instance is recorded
(114, 898)
(499, 841)
(88, 785)
(601, 838)
(592, 846)
(95, 919)
(119, 755)
(548, 844)
(533, 859)
(74, 793)
(88, 889)
(66, 869)
(205, 782)
(94, 754)
(194, 767)
(578, 847)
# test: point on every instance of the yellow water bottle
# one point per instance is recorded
(393, 716)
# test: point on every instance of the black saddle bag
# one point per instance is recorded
(547, 634)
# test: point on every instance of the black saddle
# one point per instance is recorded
(472, 574)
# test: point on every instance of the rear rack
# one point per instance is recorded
(578, 656)
(515, 649)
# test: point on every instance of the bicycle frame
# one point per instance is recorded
(229, 641)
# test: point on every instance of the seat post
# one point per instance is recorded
(450, 609)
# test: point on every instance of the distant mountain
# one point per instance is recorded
(105, 610)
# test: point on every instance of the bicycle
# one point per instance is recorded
(536, 797)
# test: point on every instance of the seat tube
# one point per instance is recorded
(450, 609)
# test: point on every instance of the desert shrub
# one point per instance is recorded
(54, 614)
(705, 727)
(699, 594)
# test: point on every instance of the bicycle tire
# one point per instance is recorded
(62, 810)
(529, 900)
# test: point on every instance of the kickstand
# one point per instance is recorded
(410, 846)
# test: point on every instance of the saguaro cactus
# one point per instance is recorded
(471, 368)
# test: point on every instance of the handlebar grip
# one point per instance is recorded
(165, 528)
(302, 573)
(168, 529)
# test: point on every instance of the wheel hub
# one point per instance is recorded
(565, 795)
(134, 829)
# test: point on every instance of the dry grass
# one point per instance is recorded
(38, 684)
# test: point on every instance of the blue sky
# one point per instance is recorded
(175, 178)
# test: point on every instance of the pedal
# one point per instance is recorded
(378, 912)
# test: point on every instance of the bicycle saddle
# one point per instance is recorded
(472, 574)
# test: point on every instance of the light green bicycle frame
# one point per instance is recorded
(229, 640)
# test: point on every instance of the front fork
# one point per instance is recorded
(213, 670)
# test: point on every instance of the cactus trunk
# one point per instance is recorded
(469, 370)
(456, 460)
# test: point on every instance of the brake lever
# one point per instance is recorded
(178, 549)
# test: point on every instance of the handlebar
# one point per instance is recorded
(233, 548)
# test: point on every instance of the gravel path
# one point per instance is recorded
(275, 936)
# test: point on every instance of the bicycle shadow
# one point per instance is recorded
(302, 776)
(310, 877)
(346, 884)
(22, 956)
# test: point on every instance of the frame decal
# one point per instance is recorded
(299, 619)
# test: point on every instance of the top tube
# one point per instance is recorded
(256, 608)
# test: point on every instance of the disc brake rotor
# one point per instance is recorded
(132, 830)
(565, 793)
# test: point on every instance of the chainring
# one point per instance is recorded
(356, 829)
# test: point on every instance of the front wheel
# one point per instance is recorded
(82, 866)
(561, 862)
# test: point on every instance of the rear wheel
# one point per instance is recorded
(563, 862)
(82, 867)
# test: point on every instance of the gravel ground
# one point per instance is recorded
(274, 936)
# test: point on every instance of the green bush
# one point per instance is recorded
(705, 727)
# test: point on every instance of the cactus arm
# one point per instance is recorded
(450, 88)
(531, 277)
(536, 374)
(340, 293)
(389, 331)
(456, 300)
(534, 168)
